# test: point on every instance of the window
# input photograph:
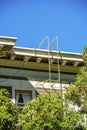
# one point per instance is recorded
(22, 97)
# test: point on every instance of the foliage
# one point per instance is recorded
(8, 111)
(49, 112)
(77, 92)
(84, 54)
(72, 120)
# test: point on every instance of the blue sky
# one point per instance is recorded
(31, 20)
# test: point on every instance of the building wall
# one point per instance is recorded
(29, 80)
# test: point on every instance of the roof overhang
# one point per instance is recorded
(6, 44)
(30, 58)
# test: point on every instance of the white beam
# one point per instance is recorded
(13, 57)
(1, 46)
(39, 60)
(51, 61)
(75, 63)
(64, 62)
(26, 58)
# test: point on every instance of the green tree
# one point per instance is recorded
(8, 111)
(50, 112)
(77, 92)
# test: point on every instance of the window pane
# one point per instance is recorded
(22, 97)
(20, 100)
